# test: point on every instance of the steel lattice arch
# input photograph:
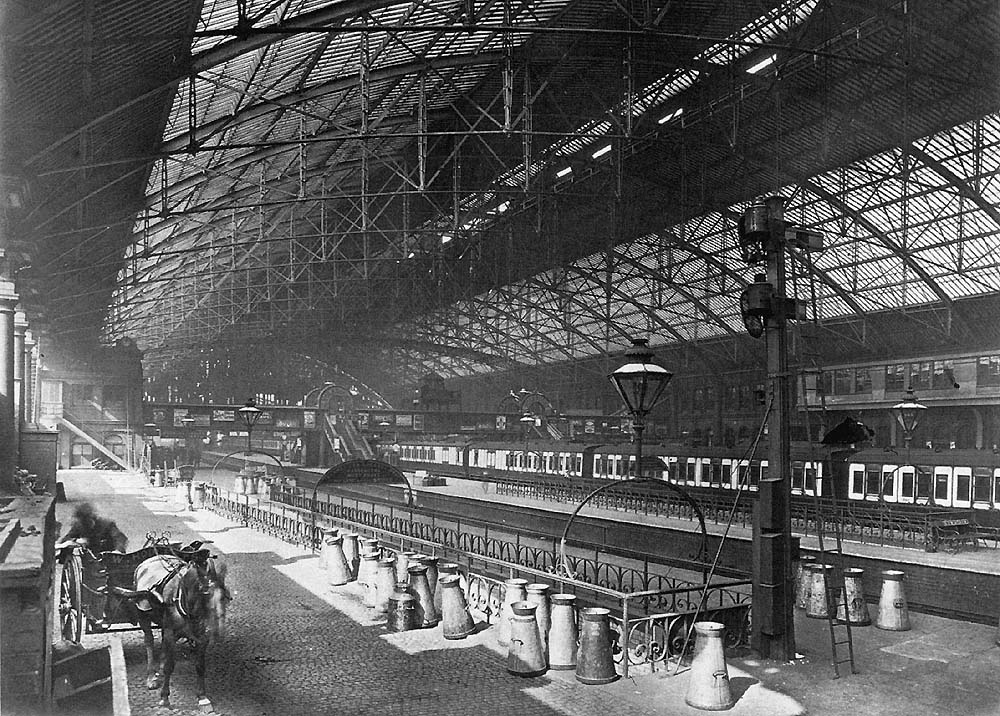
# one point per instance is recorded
(476, 189)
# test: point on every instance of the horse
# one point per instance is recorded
(187, 598)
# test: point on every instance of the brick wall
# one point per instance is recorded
(26, 603)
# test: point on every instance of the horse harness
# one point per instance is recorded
(157, 589)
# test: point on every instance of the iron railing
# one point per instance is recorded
(865, 522)
(656, 611)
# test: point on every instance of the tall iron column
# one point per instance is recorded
(8, 433)
(20, 328)
(29, 377)
(764, 236)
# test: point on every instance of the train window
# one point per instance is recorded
(690, 471)
(810, 477)
(982, 483)
(857, 481)
(895, 377)
(798, 475)
(873, 478)
(963, 486)
(888, 481)
(943, 374)
(763, 469)
(996, 486)
(924, 474)
(711, 478)
(577, 463)
(727, 474)
(631, 467)
(907, 483)
(941, 485)
(988, 373)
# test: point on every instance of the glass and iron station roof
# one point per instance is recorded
(472, 186)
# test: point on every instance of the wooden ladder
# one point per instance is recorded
(836, 595)
(833, 579)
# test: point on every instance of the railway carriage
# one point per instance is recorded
(967, 479)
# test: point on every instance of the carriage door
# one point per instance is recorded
(798, 477)
(728, 474)
(856, 481)
(962, 477)
(942, 486)
(890, 483)
(982, 486)
(907, 483)
(812, 478)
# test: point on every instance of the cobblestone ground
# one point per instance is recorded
(297, 646)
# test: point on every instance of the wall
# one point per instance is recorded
(26, 603)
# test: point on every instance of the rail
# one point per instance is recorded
(656, 611)
(868, 522)
(878, 523)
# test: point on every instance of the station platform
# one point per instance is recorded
(295, 645)
(984, 560)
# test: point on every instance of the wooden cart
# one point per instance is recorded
(89, 586)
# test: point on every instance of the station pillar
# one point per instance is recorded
(8, 432)
(28, 413)
(765, 237)
(20, 328)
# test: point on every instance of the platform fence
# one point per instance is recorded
(652, 613)
(865, 522)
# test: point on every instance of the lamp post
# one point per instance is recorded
(250, 414)
(907, 414)
(640, 383)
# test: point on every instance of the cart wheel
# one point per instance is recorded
(68, 574)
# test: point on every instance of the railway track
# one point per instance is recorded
(968, 594)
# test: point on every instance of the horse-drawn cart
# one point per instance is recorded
(162, 584)
(96, 592)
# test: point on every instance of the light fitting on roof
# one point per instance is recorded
(601, 152)
(563, 172)
(670, 115)
(763, 64)
(445, 238)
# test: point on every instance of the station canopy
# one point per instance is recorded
(477, 185)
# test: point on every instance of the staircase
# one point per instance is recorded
(96, 443)
(352, 443)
